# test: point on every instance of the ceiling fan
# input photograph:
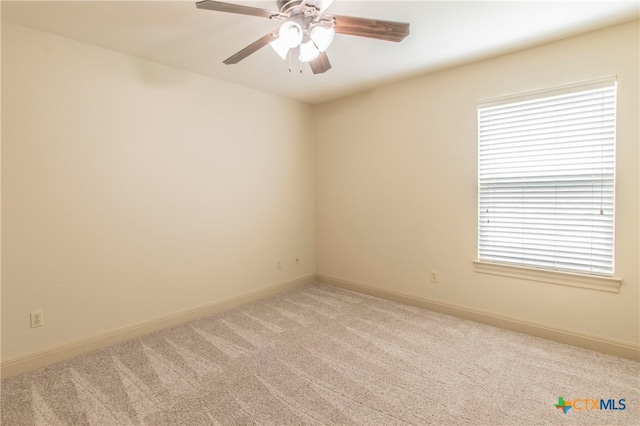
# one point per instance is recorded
(306, 30)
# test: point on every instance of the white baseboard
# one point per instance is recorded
(50, 356)
(595, 343)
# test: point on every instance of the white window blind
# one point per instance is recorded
(546, 181)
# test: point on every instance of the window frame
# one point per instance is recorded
(608, 283)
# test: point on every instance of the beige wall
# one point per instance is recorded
(396, 186)
(131, 190)
(0, 190)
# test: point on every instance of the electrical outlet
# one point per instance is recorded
(278, 264)
(296, 260)
(37, 320)
(434, 276)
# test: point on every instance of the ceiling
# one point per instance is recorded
(443, 34)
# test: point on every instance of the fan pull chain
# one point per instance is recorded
(291, 62)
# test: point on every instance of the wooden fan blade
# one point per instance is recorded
(372, 28)
(320, 64)
(252, 48)
(236, 8)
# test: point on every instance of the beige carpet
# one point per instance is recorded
(321, 355)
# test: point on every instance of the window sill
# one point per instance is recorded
(593, 282)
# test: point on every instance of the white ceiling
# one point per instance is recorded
(443, 33)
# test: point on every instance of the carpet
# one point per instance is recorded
(321, 355)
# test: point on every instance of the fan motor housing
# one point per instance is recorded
(288, 6)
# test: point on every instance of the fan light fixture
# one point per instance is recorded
(291, 35)
(308, 51)
(322, 37)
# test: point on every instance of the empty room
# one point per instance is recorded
(320, 212)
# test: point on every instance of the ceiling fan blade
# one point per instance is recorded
(252, 48)
(372, 28)
(242, 10)
(320, 64)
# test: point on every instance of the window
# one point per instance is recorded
(546, 180)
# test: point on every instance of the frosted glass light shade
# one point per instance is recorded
(322, 37)
(308, 51)
(289, 36)
(291, 33)
(280, 46)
